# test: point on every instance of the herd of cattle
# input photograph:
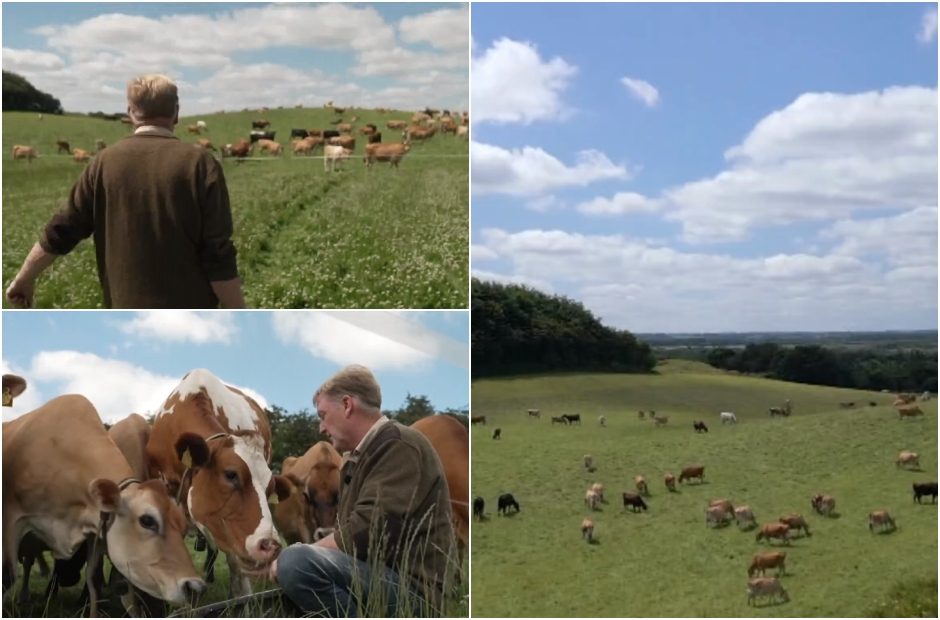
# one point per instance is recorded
(722, 512)
(133, 491)
(338, 144)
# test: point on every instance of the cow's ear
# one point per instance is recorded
(282, 488)
(106, 494)
(288, 462)
(192, 450)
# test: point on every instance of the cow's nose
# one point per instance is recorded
(269, 546)
(193, 587)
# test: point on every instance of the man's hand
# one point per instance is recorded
(272, 571)
(20, 293)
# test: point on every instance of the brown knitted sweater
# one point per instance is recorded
(159, 212)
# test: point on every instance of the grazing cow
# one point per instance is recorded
(847, 405)
(589, 463)
(344, 127)
(196, 129)
(347, 142)
(396, 124)
(478, 419)
(693, 471)
(240, 149)
(451, 441)
(765, 586)
(100, 145)
(717, 516)
(923, 489)
(505, 502)
(462, 132)
(534, 413)
(374, 138)
(591, 500)
(906, 398)
(63, 145)
(255, 136)
(724, 504)
(587, 529)
(559, 419)
(641, 415)
(670, 482)
(314, 133)
(392, 152)
(419, 133)
(326, 134)
(728, 417)
(769, 559)
(202, 125)
(84, 488)
(211, 444)
(602, 420)
(478, 505)
(299, 133)
(823, 504)
(910, 460)
(309, 512)
(497, 433)
(774, 530)
(260, 124)
(634, 501)
(205, 143)
(368, 129)
(269, 146)
(572, 418)
(909, 411)
(796, 522)
(640, 483)
(660, 420)
(333, 156)
(882, 520)
(776, 411)
(306, 146)
(744, 517)
(598, 489)
(700, 427)
(81, 155)
(24, 152)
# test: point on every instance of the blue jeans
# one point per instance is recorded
(331, 583)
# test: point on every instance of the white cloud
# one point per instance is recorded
(928, 26)
(544, 204)
(530, 171)
(642, 90)
(619, 204)
(23, 61)
(480, 253)
(446, 29)
(182, 326)
(378, 340)
(512, 84)
(824, 157)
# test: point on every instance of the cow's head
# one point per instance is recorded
(228, 495)
(145, 539)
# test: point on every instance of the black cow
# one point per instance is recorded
(496, 433)
(329, 133)
(254, 136)
(507, 501)
(700, 427)
(633, 500)
(478, 505)
(262, 124)
(559, 419)
(375, 137)
(572, 418)
(923, 489)
(299, 133)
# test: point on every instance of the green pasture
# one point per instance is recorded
(666, 562)
(306, 238)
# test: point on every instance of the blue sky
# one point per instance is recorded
(236, 55)
(127, 362)
(706, 167)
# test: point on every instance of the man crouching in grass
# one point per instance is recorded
(392, 553)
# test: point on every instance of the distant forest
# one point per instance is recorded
(20, 95)
(517, 330)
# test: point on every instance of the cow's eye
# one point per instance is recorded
(148, 523)
(231, 475)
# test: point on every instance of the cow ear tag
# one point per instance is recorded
(187, 459)
(7, 397)
(272, 498)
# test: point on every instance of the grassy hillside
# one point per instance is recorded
(387, 238)
(666, 562)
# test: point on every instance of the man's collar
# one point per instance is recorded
(373, 430)
(154, 130)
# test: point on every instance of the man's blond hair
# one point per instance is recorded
(152, 96)
(354, 380)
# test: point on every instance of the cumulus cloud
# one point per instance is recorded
(513, 84)
(446, 29)
(531, 171)
(642, 90)
(928, 26)
(24, 61)
(379, 340)
(182, 326)
(619, 204)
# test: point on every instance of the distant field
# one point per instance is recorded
(380, 239)
(666, 562)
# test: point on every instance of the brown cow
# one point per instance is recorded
(598, 489)
(452, 444)
(478, 419)
(344, 127)
(310, 511)
(796, 522)
(81, 155)
(242, 148)
(214, 442)
(881, 519)
(591, 500)
(717, 515)
(765, 586)
(63, 145)
(774, 530)
(823, 504)
(670, 482)
(347, 142)
(909, 411)
(396, 124)
(65, 480)
(306, 146)
(24, 152)
(392, 152)
(693, 471)
(587, 529)
(260, 124)
(269, 146)
(744, 517)
(640, 483)
(196, 129)
(205, 143)
(770, 559)
(910, 460)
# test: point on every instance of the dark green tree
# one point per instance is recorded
(19, 94)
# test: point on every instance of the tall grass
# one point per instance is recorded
(666, 562)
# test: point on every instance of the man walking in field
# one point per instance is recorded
(393, 551)
(159, 212)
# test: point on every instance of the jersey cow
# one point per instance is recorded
(452, 444)
(309, 512)
(211, 444)
(82, 487)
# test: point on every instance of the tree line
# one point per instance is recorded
(517, 330)
(864, 369)
(20, 95)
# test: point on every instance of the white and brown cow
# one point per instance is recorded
(64, 480)
(211, 443)
(310, 510)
